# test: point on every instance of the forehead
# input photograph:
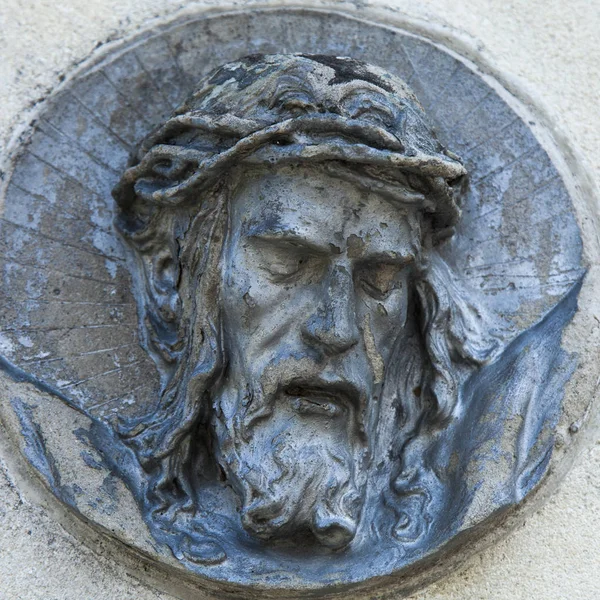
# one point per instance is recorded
(310, 204)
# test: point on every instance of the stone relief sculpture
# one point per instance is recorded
(285, 225)
(329, 376)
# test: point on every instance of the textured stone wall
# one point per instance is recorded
(551, 48)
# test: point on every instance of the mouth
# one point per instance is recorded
(324, 398)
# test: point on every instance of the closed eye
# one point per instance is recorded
(285, 260)
(283, 268)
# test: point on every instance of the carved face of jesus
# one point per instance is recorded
(315, 299)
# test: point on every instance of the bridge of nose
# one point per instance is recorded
(333, 322)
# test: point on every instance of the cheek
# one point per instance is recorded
(389, 319)
(235, 297)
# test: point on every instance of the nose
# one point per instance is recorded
(332, 326)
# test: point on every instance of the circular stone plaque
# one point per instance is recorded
(96, 345)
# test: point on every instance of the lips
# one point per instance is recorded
(321, 397)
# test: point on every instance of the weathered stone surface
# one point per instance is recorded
(528, 185)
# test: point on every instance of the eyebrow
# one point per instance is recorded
(387, 258)
(288, 237)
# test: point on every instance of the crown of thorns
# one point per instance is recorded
(277, 109)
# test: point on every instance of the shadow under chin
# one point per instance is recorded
(335, 536)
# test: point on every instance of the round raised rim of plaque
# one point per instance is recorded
(70, 351)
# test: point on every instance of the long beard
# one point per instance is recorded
(289, 483)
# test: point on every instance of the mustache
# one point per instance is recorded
(318, 392)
